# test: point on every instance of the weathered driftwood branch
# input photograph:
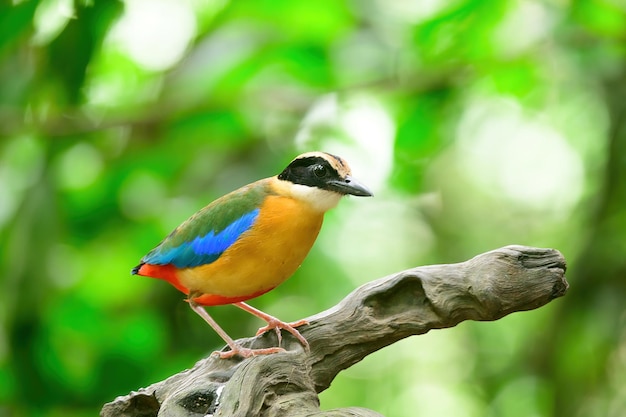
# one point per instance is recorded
(487, 287)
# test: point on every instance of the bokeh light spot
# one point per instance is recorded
(51, 17)
(79, 166)
(519, 158)
(155, 33)
(524, 25)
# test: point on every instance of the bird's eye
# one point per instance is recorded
(319, 171)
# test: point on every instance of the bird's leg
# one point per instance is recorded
(235, 349)
(276, 324)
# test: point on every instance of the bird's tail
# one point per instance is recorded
(136, 269)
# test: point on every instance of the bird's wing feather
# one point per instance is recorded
(207, 234)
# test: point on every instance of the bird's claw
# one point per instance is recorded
(277, 325)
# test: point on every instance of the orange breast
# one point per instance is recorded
(262, 258)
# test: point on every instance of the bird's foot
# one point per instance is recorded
(247, 352)
(277, 325)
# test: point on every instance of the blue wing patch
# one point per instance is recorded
(203, 249)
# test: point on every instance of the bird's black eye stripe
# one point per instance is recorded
(312, 171)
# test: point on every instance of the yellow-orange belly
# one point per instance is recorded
(263, 257)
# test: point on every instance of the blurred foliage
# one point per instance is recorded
(478, 124)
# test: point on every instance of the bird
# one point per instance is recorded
(251, 240)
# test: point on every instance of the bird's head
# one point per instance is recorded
(320, 179)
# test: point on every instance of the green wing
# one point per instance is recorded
(207, 234)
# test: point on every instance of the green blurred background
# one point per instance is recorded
(476, 123)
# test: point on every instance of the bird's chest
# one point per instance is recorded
(264, 256)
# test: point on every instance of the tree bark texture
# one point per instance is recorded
(377, 314)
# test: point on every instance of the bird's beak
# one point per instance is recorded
(351, 186)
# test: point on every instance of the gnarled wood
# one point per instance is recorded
(377, 314)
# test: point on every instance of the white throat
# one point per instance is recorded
(318, 199)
